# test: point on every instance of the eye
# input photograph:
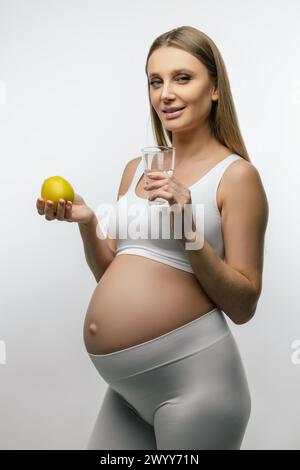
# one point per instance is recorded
(180, 78)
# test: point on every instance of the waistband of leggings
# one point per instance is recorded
(176, 344)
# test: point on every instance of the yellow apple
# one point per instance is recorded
(55, 188)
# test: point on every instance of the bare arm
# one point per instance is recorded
(98, 252)
(235, 284)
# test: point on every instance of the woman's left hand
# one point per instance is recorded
(174, 192)
(168, 188)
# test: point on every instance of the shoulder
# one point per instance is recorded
(131, 168)
(242, 182)
(132, 164)
(239, 173)
(127, 175)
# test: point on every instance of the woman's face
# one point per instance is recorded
(190, 87)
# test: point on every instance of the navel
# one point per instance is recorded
(93, 328)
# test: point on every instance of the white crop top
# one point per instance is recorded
(134, 211)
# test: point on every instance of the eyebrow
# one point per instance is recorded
(174, 71)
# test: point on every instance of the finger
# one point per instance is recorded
(164, 194)
(68, 212)
(40, 205)
(49, 213)
(160, 177)
(156, 175)
(157, 184)
(60, 213)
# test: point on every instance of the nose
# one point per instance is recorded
(167, 91)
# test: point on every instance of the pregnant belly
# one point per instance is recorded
(138, 299)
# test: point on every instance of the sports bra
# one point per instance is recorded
(137, 232)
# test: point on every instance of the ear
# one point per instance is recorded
(215, 95)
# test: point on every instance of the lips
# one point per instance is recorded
(174, 114)
(172, 110)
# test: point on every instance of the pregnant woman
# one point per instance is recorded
(156, 327)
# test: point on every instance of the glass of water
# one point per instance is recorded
(158, 159)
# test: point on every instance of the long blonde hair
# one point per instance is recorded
(223, 119)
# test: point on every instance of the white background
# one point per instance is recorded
(74, 103)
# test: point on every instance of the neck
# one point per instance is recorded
(194, 144)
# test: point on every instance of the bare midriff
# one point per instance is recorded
(138, 299)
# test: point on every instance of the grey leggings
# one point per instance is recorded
(186, 389)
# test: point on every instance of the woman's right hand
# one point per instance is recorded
(77, 211)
